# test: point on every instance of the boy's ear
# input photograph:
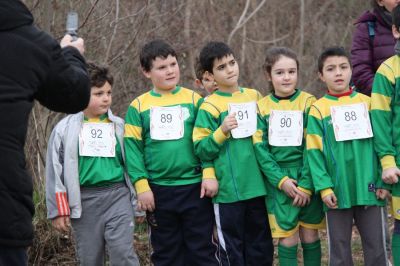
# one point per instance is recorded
(146, 73)
(197, 83)
(321, 77)
(396, 33)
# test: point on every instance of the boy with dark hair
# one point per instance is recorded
(222, 136)
(85, 167)
(385, 113)
(344, 166)
(204, 81)
(163, 166)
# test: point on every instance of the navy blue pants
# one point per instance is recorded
(243, 232)
(182, 227)
(13, 256)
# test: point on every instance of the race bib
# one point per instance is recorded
(97, 140)
(351, 122)
(285, 128)
(246, 116)
(166, 123)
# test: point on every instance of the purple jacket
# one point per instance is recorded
(368, 53)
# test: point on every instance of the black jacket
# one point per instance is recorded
(32, 66)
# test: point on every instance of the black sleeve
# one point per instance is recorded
(67, 85)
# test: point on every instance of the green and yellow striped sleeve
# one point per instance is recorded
(265, 159)
(381, 115)
(134, 147)
(208, 137)
(315, 151)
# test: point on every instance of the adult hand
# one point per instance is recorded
(79, 44)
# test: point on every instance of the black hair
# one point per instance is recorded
(396, 17)
(212, 51)
(198, 69)
(329, 52)
(99, 75)
(153, 49)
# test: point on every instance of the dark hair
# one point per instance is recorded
(212, 51)
(274, 54)
(153, 49)
(396, 17)
(199, 71)
(329, 52)
(99, 75)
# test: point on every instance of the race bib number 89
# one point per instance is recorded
(166, 123)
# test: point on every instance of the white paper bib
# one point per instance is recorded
(351, 122)
(97, 140)
(285, 128)
(166, 123)
(246, 116)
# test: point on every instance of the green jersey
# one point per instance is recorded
(350, 167)
(234, 160)
(162, 162)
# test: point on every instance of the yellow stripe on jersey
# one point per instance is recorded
(396, 207)
(380, 102)
(257, 137)
(201, 133)
(314, 141)
(324, 104)
(147, 100)
(133, 132)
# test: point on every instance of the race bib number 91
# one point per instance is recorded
(351, 122)
(246, 117)
(97, 140)
(166, 123)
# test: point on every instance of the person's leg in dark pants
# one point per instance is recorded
(259, 249)
(339, 227)
(230, 219)
(166, 233)
(13, 256)
(370, 223)
(198, 223)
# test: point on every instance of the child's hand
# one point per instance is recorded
(391, 175)
(229, 123)
(289, 186)
(382, 193)
(301, 199)
(209, 187)
(61, 223)
(145, 201)
(330, 200)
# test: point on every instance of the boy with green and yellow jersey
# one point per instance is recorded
(343, 163)
(161, 161)
(84, 166)
(222, 136)
(385, 114)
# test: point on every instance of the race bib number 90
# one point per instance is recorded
(97, 140)
(285, 128)
(246, 117)
(351, 122)
(166, 123)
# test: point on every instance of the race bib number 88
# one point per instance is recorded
(351, 122)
